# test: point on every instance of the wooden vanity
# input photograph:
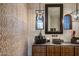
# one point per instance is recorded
(48, 49)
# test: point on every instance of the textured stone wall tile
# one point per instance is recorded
(13, 25)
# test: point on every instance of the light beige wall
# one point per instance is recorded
(13, 29)
(66, 36)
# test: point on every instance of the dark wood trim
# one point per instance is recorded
(46, 18)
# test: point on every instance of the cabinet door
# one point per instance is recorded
(76, 50)
(67, 50)
(39, 50)
(50, 50)
(57, 50)
(53, 50)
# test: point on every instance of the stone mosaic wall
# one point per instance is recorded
(13, 29)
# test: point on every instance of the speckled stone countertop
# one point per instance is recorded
(65, 43)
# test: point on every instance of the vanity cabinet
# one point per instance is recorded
(55, 50)
(39, 50)
(67, 50)
(76, 50)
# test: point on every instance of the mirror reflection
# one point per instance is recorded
(54, 19)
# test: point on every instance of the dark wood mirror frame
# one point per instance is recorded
(46, 18)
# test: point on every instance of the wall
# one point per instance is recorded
(32, 32)
(13, 29)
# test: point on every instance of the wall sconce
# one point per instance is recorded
(39, 18)
(75, 13)
(40, 25)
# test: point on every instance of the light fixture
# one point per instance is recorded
(39, 19)
(73, 12)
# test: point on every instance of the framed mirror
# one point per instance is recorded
(53, 18)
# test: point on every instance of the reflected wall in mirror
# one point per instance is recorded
(53, 18)
(53, 22)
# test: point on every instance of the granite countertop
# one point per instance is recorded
(65, 43)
